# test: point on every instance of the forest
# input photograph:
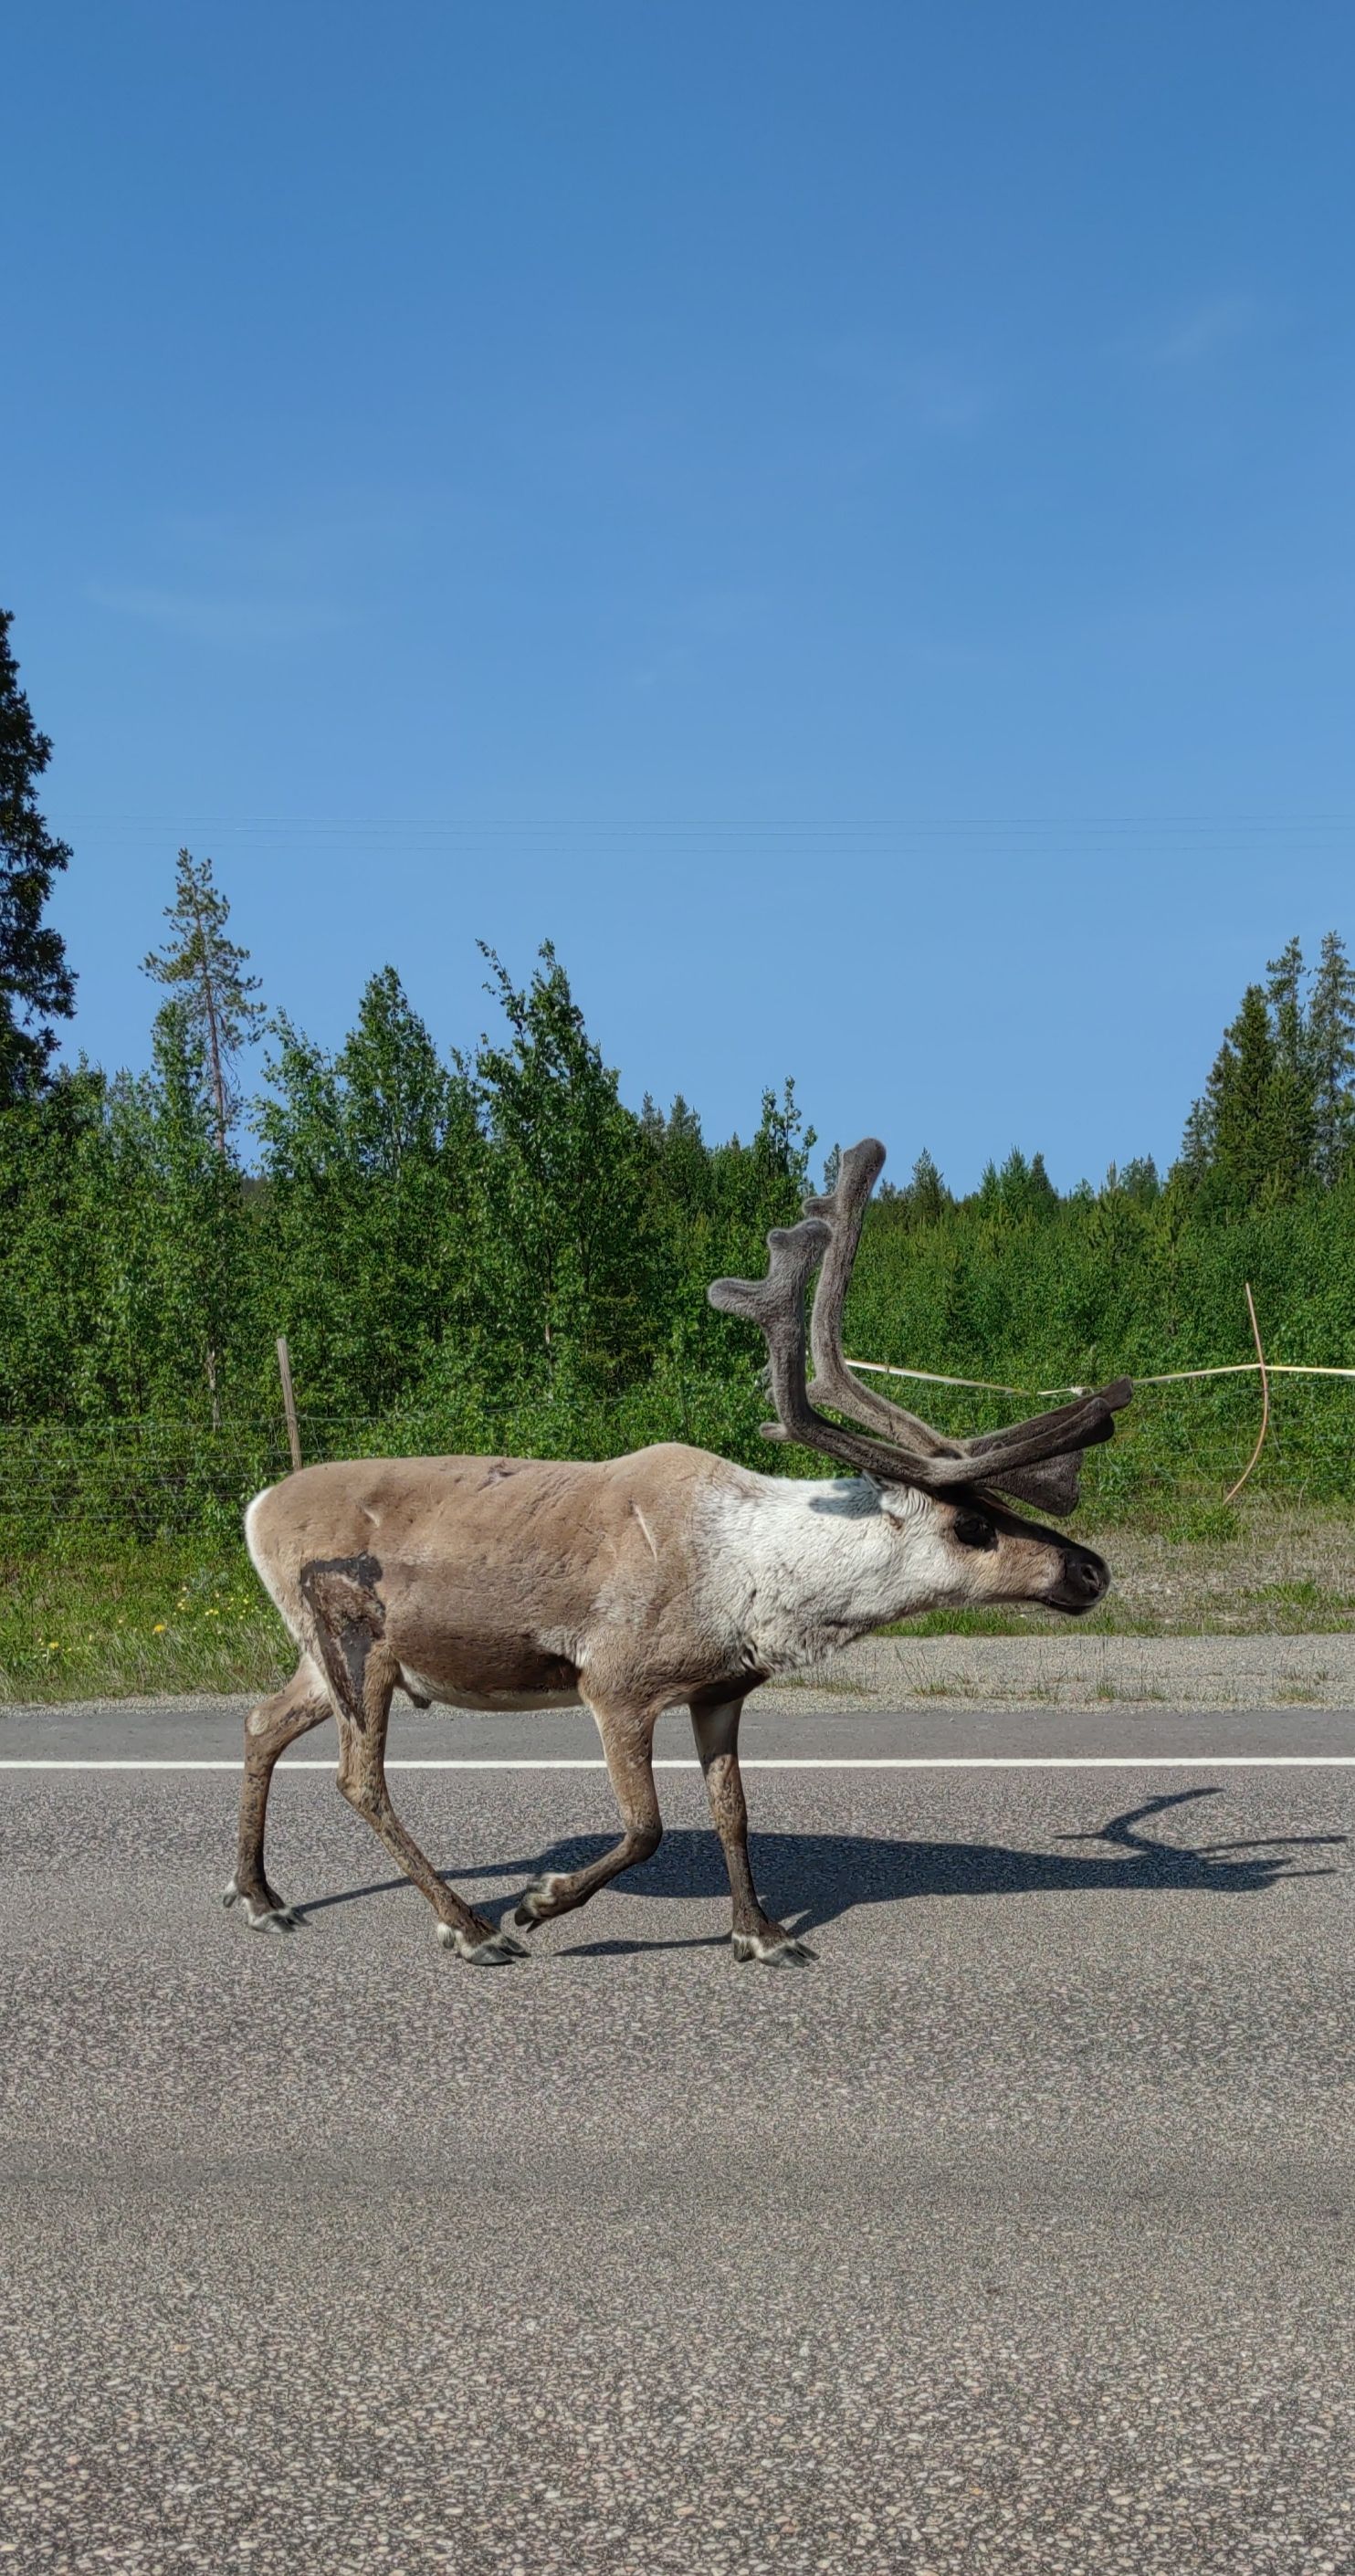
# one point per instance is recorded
(482, 1246)
(486, 1248)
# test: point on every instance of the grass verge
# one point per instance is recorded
(1261, 1569)
(174, 1618)
(147, 1620)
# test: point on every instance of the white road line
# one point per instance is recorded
(792, 1762)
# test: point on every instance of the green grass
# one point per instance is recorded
(975, 1623)
(146, 1620)
(1304, 1595)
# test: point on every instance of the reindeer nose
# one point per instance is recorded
(1086, 1577)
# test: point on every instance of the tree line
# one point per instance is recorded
(488, 1245)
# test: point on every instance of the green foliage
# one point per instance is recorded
(567, 1254)
(490, 1251)
(36, 984)
(367, 1220)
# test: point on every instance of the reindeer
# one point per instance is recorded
(664, 1577)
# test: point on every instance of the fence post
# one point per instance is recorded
(289, 1400)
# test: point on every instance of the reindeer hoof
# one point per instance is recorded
(493, 1951)
(780, 1950)
(276, 1917)
(538, 1899)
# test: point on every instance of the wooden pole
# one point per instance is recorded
(289, 1400)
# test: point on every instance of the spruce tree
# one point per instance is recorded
(685, 1167)
(36, 984)
(1139, 1180)
(1042, 1198)
(988, 1196)
(1197, 1145)
(1238, 1100)
(1284, 993)
(205, 971)
(1331, 1053)
(1289, 1111)
(928, 1196)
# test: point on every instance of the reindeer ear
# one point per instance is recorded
(1052, 1486)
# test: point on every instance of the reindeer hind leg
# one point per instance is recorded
(362, 1670)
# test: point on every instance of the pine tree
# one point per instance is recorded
(36, 984)
(1331, 1052)
(194, 1214)
(206, 971)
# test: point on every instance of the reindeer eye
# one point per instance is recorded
(972, 1530)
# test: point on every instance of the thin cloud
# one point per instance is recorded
(906, 391)
(231, 622)
(298, 545)
(1203, 332)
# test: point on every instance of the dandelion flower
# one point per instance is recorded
(159, 1629)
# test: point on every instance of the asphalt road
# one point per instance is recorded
(1015, 2233)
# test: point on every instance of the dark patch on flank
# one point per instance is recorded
(340, 1594)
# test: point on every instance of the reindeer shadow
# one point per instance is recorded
(813, 1879)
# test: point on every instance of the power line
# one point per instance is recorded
(746, 826)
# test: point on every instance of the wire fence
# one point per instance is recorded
(1179, 1450)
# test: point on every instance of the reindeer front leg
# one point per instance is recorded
(715, 1724)
(269, 1729)
(628, 1743)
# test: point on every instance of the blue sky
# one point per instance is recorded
(841, 517)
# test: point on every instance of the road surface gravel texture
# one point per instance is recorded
(1014, 2233)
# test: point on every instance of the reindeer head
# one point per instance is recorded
(943, 1495)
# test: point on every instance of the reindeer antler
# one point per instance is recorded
(1037, 1460)
(844, 1213)
(1051, 1485)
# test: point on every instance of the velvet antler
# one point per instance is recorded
(1036, 1461)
